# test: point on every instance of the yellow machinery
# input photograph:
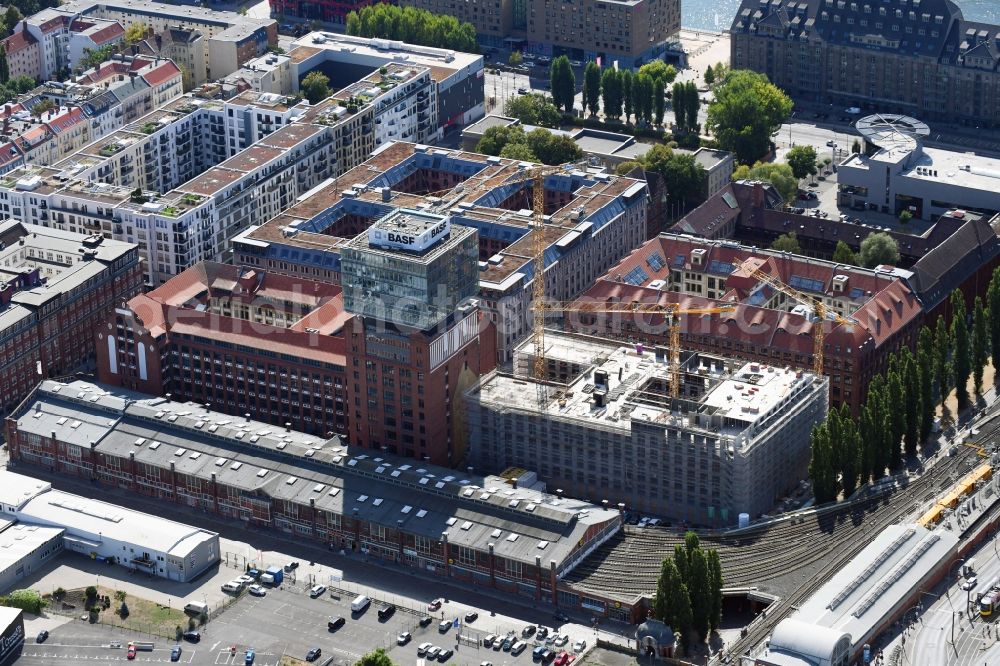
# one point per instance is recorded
(819, 309)
(671, 311)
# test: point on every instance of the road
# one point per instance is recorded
(951, 631)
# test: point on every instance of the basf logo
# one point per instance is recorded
(13, 638)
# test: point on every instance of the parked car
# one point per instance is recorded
(314, 654)
(579, 646)
(523, 91)
(426, 620)
(423, 648)
(489, 640)
(191, 636)
(42, 636)
(434, 605)
(471, 616)
(432, 652)
(831, 143)
(444, 626)
(385, 611)
(970, 583)
(257, 591)
(403, 638)
(537, 653)
(317, 590)
(561, 640)
(508, 641)
(130, 655)
(518, 647)
(335, 623)
(291, 566)
(542, 633)
(561, 659)
(249, 657)
(528, 631)
(445, 655)
(175, 654)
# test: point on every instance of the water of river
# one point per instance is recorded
(718, 14)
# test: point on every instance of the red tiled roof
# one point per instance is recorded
(19, 41)
(9, 153)
(166, 71)
(66, 120)
(108, 34)
(52, 24)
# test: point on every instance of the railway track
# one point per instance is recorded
(903, 503)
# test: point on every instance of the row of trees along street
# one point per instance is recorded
(899, 412)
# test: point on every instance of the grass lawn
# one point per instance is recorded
(144, 616)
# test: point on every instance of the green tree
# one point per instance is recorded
(961, 359)
(787, 243)
(821, 465)
(897, 398)
(879, 248)
(136, 33)
(519, 151)
(533, 109)
(415, 26)
(628, 101)
(693, 103)
(876, 431)
(682, 174)
(657, 69)
(850, 452)
(377, 657)
(495, 138)
(94, 57)
(700, 589)
(667, 588)
(680, 108)
(10, 19)
(717, 581)
(611, 93)
(779, 175)
(27, 600)
(592, 87)
(709, 76)
(562, 82)
(905, 216)
(746, 111)
(843, 254)
(41, 107)
(642, 93)
(925, 370)
(911, 386)
(315, 86)
(659, 101)
(980, 344)
(942, 367)
(681, 562)
(515, 59)
(868, 438)
(552, 148)
(4, 66)
(802, 160)
(993, 312)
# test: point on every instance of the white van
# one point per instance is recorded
(196, 607)
(360, 603)
(232, 587)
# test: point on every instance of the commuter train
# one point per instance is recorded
(968, 483)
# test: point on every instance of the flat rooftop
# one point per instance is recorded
(935, 165)
(637, 386)
(443, 62)
(96, 519)
(20, 540)
(260, 458)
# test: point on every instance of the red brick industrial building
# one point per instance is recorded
(56, 289)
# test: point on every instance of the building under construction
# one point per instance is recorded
(603, 425)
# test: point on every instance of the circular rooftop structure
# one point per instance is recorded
(891, 131)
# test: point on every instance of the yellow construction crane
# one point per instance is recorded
(819, 309)
(671, 311)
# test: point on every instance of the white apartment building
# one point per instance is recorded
(146, 182)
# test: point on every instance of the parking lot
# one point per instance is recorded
(288, 621)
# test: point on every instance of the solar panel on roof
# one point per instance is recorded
(857, 293)
(679, 260)
(720, 267)
(807, 284)
(636, 277)
(656, 261)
